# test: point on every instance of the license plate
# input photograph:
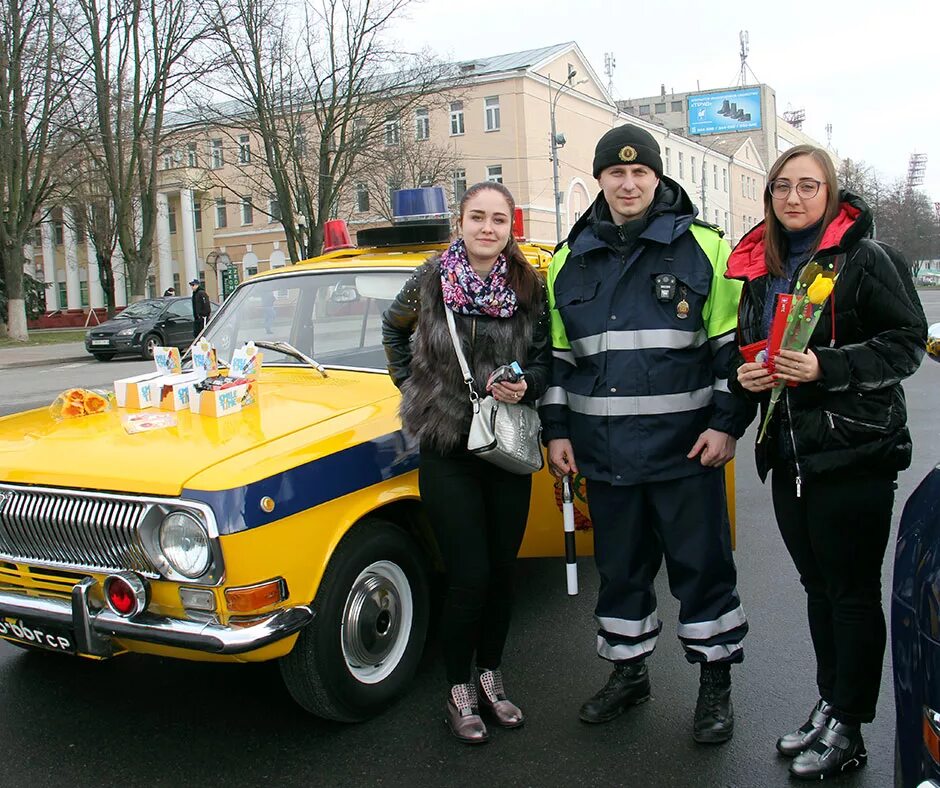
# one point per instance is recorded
(40, 635)
(101, 341)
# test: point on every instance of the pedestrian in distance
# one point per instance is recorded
(642, 323)
(169, 292)
(201, 307)
(478, 511)
(837, 438)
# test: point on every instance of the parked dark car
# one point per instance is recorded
(141, 327)
(915, 628)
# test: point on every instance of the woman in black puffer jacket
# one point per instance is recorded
(478, 511)
(837, 439)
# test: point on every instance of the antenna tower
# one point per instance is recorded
(610, 63)
(795, 117)
(744, 52)
(916, 170)
(829, 135)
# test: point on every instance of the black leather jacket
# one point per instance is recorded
(854, 417)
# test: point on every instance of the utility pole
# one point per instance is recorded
(558, 141)
(610, 63)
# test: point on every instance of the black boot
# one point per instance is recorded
(714, 714)
(838, 749)
(792, 744)
(628, 685)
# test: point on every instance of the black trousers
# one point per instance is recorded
(479, 514)
(686, 521)
(836, 533)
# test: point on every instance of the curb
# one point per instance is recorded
(45, 362)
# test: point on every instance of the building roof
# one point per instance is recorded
(514, 61)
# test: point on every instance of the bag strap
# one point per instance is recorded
(464, 367)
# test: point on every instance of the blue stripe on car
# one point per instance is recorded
(310, 484)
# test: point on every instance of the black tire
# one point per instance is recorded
(103, 356)
(349, 673)
(148, 344)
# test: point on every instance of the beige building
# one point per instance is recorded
(499, 129)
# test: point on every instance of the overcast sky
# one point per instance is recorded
(871, 69)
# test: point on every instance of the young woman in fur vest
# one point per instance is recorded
(478, 511)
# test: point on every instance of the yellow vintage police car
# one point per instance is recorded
(291, 530)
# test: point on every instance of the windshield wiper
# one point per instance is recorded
(289, 350)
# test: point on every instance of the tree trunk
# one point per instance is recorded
(16, 303)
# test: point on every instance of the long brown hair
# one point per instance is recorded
(775, 239)
(521, 275)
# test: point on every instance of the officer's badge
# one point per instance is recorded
(627, 153)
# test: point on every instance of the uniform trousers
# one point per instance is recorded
(836, 533)
(684, 520)
(478, 513)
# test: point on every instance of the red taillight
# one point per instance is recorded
(336, 236)
(518, 225)
(125, 593)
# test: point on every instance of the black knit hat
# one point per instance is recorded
(627, 145)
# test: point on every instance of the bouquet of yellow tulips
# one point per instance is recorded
(809, 297)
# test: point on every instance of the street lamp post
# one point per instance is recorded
(704, 178)
(557, 141)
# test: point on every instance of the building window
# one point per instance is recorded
(644, 109)
(221, 216)
(743, 185)
(192, 155)
(677, 106)
(716, 217)
(393, 185)
(247, 210)
(391, 130)
(83, 293)
(359, 131)
(274, 208)
(661, 107)
(362, 198)
(491, 107)
(215, 154)
(715, 175)
(171, 218)
(668, 162)
(727, 225)
(300, 142)
(456, 118)
(197, 215)
(176, 283)
(63, 295)
(724, 179)
(168, 160)
(460, 184)
(422, 124)
(681, 165)
(244, 149)
(694, 170)
(494, 172)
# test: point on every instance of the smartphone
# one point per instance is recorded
(507, 373)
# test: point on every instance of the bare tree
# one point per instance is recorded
(33, 88)
(142, 58)
(316, 98)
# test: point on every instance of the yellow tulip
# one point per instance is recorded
(820, 289)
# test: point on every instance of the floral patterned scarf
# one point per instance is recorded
(466, 294)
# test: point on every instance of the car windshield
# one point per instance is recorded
(335, 318)
(142, 309)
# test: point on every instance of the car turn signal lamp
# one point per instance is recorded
(248, 599)
(932, 733)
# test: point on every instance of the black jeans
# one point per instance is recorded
(479, 514)
(836, 533)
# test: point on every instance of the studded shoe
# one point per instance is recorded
(628, 685)
(792, 744)
(463, 715)
(837, 750)
(494, 702)
(714, 712)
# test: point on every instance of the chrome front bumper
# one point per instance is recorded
(94, 628)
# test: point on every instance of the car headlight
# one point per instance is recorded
(185, 544)
(126, 331)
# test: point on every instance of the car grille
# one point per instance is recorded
(72, 530)
(38, 581)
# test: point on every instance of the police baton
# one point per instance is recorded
(571, 558)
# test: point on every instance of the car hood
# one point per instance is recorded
(298, 415)
(116, 324)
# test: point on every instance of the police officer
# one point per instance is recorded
(643, 326)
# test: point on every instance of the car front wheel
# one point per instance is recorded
(103, 356)
(362, 649)
(147, 346)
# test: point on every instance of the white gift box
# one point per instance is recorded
(217, 403)
(176, 390)
(140, 391)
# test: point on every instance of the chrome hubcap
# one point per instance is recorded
(377, 621)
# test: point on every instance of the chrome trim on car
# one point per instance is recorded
(95, 628)
(101, 533)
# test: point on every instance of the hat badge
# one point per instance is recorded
(627, 153)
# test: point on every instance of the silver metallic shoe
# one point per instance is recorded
(493, 700)
(463, 715)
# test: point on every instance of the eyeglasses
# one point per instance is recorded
(806, 188)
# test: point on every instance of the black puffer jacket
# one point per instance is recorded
(854, 417)
(435, 405)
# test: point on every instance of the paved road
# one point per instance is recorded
(147, 721)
